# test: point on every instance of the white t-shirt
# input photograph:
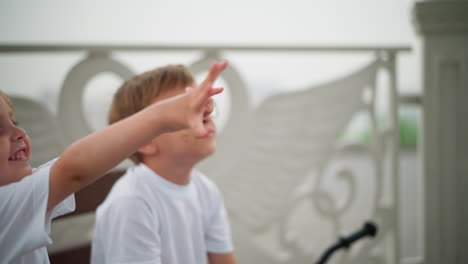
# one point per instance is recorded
(24, 224)
(147, 219)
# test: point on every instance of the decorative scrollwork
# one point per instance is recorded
(70, 111)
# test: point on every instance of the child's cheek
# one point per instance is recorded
(185, 138)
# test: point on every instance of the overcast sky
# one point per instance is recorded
(207, 21)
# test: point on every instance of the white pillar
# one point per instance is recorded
(443, 26)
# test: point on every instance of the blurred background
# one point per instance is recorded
(351, 69)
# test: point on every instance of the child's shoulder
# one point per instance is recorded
(200, 177)
(204, 182)
(44, 166)
(34, 183)
(127, 184)
(126, 192)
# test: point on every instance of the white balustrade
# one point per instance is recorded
(275, 162)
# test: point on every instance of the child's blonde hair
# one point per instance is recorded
(6, 98)
(139, 91)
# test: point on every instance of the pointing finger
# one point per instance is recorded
(214, 72)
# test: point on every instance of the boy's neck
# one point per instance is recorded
(175, 172)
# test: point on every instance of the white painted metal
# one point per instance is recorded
(71, 114)
(275, 162)
(443, 26)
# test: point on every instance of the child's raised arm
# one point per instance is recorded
(91, 157)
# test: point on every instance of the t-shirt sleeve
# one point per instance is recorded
(126, 232)
(218, 235)
(24, 220)
(64, 207)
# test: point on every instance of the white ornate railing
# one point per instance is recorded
(276, 163)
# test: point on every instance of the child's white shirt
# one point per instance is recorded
(147, 219)
(24, 223)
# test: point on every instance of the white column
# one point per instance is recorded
(443, 26)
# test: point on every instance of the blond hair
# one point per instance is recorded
(6, 98)
(139, 91)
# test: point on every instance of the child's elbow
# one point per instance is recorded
(68, 172)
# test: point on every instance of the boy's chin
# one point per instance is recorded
(208, 151)
(211, 148)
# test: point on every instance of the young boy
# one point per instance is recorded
(162, 210)
(30, 198)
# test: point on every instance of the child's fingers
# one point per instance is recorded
(214, 72)
(205, 90)
(215, 91)
(208, 102)
(209, 107)
(201, 96)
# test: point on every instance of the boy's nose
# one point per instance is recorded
(19, 134)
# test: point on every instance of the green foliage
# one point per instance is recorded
(408, 128)
(408, 132)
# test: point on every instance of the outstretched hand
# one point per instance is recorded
(199, 98)
(89, 158)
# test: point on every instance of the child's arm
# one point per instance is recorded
(227, 258)
(91, 157)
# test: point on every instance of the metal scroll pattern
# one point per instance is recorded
(287, 197)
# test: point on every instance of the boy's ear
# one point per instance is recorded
(149, 149)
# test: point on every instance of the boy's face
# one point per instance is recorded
(14, 148)
(183, 145)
